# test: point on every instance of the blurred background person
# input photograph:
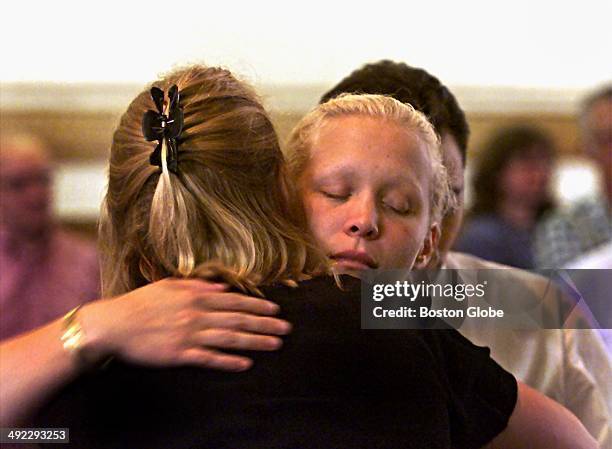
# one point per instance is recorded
(511, 188)
(580, 237)
(585, 227)
(45, 270)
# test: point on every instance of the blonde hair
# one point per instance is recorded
(226, 207)
(305, 134)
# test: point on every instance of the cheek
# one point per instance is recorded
(319, 220)
(403, 244)
(509, 178)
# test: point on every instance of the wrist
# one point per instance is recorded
(96, 344)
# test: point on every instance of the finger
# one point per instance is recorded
(210, 358)
(229, 339)
(197, 285)
(244, 322)
(237, 302)
(211, 287)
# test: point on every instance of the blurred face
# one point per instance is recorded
(526, 179)
(451, 224)
(25, 188)
(366, 193)
(598, 135)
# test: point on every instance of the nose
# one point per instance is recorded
(362, 221)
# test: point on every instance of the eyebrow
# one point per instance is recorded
(333, 174)
(340, 173)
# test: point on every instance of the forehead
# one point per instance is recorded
(369, 145)
(534, 154)
(17, 151)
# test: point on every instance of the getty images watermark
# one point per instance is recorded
(501, 298)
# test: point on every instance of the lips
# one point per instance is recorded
(357, 260)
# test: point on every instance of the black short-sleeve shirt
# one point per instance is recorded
(331, 385)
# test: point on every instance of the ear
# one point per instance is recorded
(429, 249)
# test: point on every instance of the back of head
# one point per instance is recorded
(304, 137)
(507, 144)
(413, 86)
(225, 205)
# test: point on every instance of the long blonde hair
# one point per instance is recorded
(227, 205)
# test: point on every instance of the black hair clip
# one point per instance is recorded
(159, 126)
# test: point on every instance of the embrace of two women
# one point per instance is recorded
(200, 190)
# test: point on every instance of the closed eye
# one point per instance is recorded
(400, 210)
(335, 196)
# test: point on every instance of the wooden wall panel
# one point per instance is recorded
(562, 128)
(72, 135)
(86, 135)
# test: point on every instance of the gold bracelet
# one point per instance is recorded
(73, 336)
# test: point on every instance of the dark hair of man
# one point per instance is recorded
(409, 85)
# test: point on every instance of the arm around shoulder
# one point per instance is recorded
(171, 322)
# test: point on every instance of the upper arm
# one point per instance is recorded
(587, 373)
(539, 422)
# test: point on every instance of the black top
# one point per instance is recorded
(332, 385)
